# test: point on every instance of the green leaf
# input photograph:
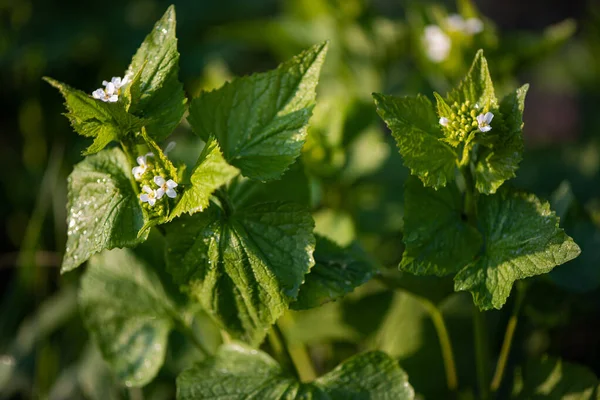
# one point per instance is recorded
(337, 271)
(105, 122)
(211, 171)
(522, 239)
(243, 266)
(476, 87)
(499, 163)
(239, 372)
(128, 313)
(103, 209)
(551, 378)
(438, 239)
(261, 121)
(159, 96)
(414, 125)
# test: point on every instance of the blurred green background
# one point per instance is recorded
(350, 160)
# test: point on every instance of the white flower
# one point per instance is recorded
(444, 121)
(117, 82)
(142, 166)
(437, 43)
(473, 26)
(106, 95)
(149, 196)
(484, 121)
(167, 187)
(455, 23)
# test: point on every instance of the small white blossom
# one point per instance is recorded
(455, 23)
(437, 43)
(149, 196)
(107, 94)
(484, 121)
(473, 26)
(142, 166)
(117, 82)
(444, 121)
(165, 187)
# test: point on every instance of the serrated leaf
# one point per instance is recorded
(438, 239)
(105, 122)
(414, 125)
(239, 372)
(497, 164)
(159, 97)
(211, 171)
(244, 268)
(261, 121)
(551, 378)
(127, 312)
(103, 210)
(522, 239)
(337, 271)
(477, 86)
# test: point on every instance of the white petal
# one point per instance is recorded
(116, 81)
(125, 80)
(444, 121)
(104, 83)
(455, 22)
(480, 119)
(147, 189)
(144, 198)
(150, 154)
(488, 117)
(171, 193)
(159, 180)
(160, 193)
(137, 172)
(171, 184)
(141, 160)
(473, 25)
(113, 99)
(151, 201)
(170, 147)
(485, 128)
(98, 93)
(110, 88)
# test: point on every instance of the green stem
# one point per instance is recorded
(185, 328)
(297, 351)
(508, 337)
(222, 196)
(276, 340)
(481, 355)
(445, 344)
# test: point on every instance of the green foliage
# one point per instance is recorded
(552, 378)
(128, 313)
(261, 121)
(159, 95)
(104, 211)
(244, 266)
(337, 271)
(105, 122)
(239, 372)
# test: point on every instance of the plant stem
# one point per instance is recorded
(276, 342)
(186, 329)
(508, 337)
(297, 351)
(445, 344)
(481, 356)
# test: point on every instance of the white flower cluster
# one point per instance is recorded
(438, 43)
(164, 187)
(142, 166)
(110, 93)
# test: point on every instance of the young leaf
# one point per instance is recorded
(127, 311)
(551, 378)
(498, 164)
(476, 87)
(105, 122)
(438, 239)
(159, 95)
(103, 209)
(210, 172)
(243, 266)
(414, 125)
(260, 121)
(337, 271)
(522, 239)
(239, 372)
